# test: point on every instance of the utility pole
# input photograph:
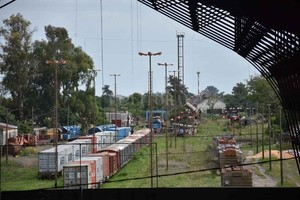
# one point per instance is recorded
(150, 54)
(269, 138)
(176, 87)
(94, 71)
(56, 63)
(166, 105)
(198, 74)
(115, 77)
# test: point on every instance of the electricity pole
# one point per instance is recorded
(198, 73)
(94, 71)
(115, 76)
(56, 63)
(149, 54)
(166, 105)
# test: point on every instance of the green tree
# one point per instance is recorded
(17, 53)
(106, 97)
(177, 90)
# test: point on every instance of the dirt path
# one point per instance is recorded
(262, 179)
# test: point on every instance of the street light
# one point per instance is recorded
(94, 71)
(166, 81)
(150, 106)
(56, 63)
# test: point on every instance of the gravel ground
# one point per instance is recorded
(264, 180)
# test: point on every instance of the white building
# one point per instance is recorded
(10, 130)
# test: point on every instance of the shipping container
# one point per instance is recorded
(105, 163)
(47, 161)
(114, 158)
(85, 146)
(108, 138)
(80, 175)
(122, 132)
(99, 168)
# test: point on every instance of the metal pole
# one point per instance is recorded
(94, 108)
(56, 63)
(269, 137)
(256, 127)
(166, 105)
(280, 147)
(149, 54)
(198, 73)
(6, 139)
(115, 78)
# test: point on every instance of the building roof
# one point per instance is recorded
(8, 126)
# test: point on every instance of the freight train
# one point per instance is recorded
(230, 162)
(105, 152)
(92, 170)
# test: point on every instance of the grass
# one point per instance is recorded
(190, 162)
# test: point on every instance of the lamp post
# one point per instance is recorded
(56, 63)
(150, 54)
(115, 77)
(94, 71)
(166, 81)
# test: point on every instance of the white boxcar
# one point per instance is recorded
(47, 162)
(85, 146)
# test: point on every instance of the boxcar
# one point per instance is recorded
(47, 161)
(105, 163)
(80, 174)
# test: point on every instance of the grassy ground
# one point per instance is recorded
(184, 162)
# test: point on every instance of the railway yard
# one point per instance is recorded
(182, 158)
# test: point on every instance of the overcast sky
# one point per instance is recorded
(114, 33)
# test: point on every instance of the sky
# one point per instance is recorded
(113, 32)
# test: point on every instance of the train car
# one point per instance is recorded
(122, 132)
(144, 135)
(131, 143)
(100, 128)
(99, 168)
(157, 124)
(107, 138)
(105, 164)
(70, 132)
(114, 158)
(85, 145)
(47, 161)
(80, 174)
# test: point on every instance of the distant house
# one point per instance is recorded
(218, 108)
(10, 130)
(200, 102)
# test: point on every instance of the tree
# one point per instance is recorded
(17, 53)
(177, 90)
(107, 91)
(106, 97)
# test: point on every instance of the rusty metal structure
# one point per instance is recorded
(265, 33)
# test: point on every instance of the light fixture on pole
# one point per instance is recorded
(166, 103)
(56, 63)
(94, 71)
(149, 54)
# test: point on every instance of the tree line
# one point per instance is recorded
(44, 75)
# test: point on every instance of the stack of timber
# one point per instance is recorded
(236, 176)
(230, 155)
